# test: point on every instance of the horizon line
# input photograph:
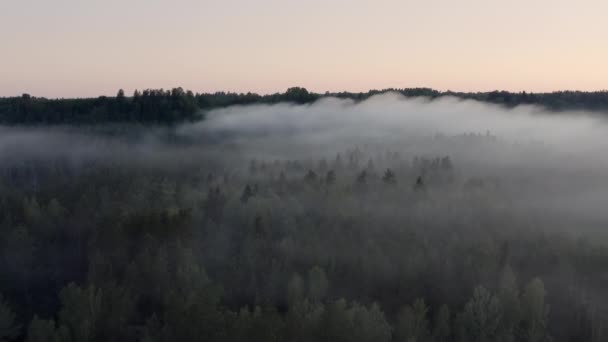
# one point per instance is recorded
(321, 93)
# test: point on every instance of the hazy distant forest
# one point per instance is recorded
(273, 223)
(175, 105)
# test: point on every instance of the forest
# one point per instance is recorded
(353, 218)
(159, 106)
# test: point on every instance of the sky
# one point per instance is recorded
(75, 48)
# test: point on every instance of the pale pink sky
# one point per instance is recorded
(66, 48)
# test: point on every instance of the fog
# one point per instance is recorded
(390, 118)
(548, 160)
(552, 161)
(291, 207)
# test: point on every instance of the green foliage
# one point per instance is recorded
(304, 320)
(111, 252)
(369, 324)
(149, 106)
(481, 319)
(343, 321)
(41, 330)
(412, 323)
(81, 312)
(535, 311)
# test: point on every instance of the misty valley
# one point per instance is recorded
(331, 219)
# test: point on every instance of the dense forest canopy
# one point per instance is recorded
(387, 219)
(176, 105)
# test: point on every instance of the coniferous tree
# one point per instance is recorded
(535, 312)
(412, 322)
(419, 185)
(389, 177)
(310, 177)
(481, 319)
(362, 178)
(247, 194)
(442, 325)
(508, 293)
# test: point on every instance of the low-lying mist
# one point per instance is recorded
(418, 125)
(257, 220)
(553, 159)
(543, 160)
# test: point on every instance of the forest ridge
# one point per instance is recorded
(159, 106)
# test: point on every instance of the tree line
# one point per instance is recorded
(158, 106)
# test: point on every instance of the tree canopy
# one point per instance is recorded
(158, 106)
